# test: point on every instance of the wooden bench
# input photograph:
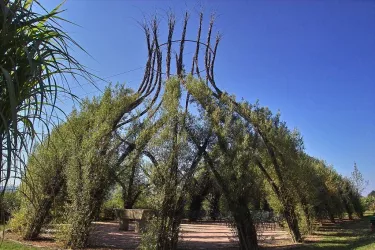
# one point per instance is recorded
(140, 216)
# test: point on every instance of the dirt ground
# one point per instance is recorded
(105, 235)
(193, 236)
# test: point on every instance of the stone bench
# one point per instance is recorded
(140, 216)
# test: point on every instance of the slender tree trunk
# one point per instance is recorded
(171, 214)
(246, 230)
(81, 225)
(33, 229)
(129, 201)
(198, 198)
(307, 214)
(247, 234)
(308, 219)
(360, 215)
(348, 209)
(195, 207)
(44, 207)
(215, 206)
(124, 195)
(2, 211)
(87, 203)
(331, 217)
(245, 227)
(168, 230)
(288, 207)
(266, 206)
(292, 221)
(257, 203)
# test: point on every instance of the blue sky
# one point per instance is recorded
(312, 60)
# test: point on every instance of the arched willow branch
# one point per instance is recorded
(156, 71)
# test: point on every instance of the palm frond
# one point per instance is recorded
(35, 61)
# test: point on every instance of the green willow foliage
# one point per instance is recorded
(278, 153)
(34, 66)
(169, 146)
(43, 181)
(178, 159)
(88, 166)
(77, 154)
(231, 159)
(72, 171)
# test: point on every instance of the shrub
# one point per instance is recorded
(107, 211)
(10, 204)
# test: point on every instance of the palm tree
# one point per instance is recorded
(35, 65)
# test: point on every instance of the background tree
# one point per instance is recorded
(372, 193)
(369, 202)
(359, 183)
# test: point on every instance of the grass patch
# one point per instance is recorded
(353, 235)
(9, 245)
